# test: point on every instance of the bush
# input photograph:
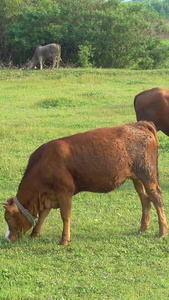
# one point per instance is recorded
(85, 53)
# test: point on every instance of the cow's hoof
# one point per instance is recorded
(141, 231)
(63, 243)
(34, 234)
(161, 235)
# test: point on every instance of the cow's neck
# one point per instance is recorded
(35, 195)
(28, 196)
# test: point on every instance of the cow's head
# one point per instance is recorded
(30, 65)
(17, 224)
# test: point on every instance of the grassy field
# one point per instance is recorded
(105, 259)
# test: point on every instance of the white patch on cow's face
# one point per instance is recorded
(7, 234)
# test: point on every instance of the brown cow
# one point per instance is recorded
(153, 105)
(98, 161)
(47, 52)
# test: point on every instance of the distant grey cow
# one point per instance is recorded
(47, 52)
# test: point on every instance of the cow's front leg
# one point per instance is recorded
(65, 211)
(42, 216)
(40, 62)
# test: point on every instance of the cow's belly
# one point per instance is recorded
(101, 184)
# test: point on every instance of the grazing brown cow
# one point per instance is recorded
(153, 105)
(43, 53)
(98, 161)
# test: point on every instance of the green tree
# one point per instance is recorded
(2, 29)
(122, 36)
(162, 7)
(101, 33)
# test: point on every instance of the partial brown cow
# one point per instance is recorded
(153, 105)
(98, 161)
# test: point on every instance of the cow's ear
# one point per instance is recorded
(10, 205)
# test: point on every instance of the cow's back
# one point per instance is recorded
(48, 51)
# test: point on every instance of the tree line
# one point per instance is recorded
(92, 33)
(161, 6)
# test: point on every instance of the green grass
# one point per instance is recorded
(105, 259)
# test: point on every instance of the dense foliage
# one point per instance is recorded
(108, 34)
(161, 6)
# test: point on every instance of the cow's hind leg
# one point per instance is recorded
(146, 205)
(42, 216)
(154, 192)
(150, 192)
(54, 62)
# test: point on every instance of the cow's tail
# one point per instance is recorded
(138, 95)
(151, 127)
(139, 113)
(154, 90)
(135, 101)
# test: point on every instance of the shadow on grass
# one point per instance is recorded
(87, 238)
